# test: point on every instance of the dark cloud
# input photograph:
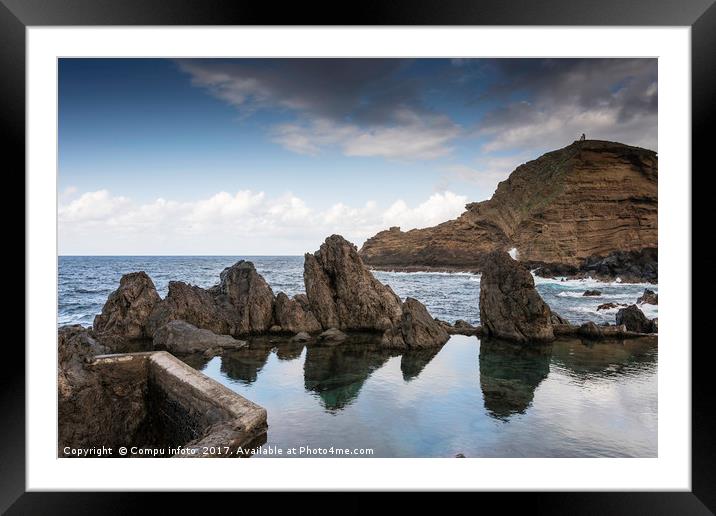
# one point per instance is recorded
(360, 90)
(611, 98)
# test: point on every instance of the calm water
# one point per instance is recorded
(479, 399)
(484, 399)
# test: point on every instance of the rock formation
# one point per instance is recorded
(181, 337)
(244, 293)
(126, 312)
(242, 303)
(592, 293)
(331, 337)
(417, 329)
(635, 320)
(294, 315)
(510, 307)
(592, 204)
(649, 297)
(609, 306)
(342, 293)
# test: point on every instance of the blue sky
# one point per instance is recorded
(269, 156)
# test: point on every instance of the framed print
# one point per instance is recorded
(365, 250)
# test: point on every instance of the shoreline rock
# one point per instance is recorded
(126, 313)
(649, 297)
(510, 306)
(180, 337)
(343, 294)
(634, 319)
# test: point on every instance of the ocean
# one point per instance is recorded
(84, 283)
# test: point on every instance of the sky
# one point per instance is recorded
(269, 156)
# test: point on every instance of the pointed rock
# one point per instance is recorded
(342, 292)
(126, 312)
(510, 307)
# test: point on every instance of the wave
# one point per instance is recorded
(426, 273)
(580, 295)
(588, 282)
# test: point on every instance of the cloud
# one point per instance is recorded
(363, 107)
(485, 174)
(438, 208)
(246, 222)
(93, 206)
(612, 99)
(414, 137)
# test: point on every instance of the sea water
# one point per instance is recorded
(474, 397)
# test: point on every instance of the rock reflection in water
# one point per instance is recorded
(337, 373)
(585, 360)
(245, 364)
(509, 375)
(413, 362)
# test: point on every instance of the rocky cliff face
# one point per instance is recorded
(589, 199)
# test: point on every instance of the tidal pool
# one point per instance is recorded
(572, 398)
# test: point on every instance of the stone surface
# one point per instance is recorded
(94, 408)
(149, 400)
(592, 293)
(417, 329)
(126, 312)
(194, 305)
(301, 336)
(648, 297)
(635, 320)
(510, 307)
(242, 303)
(294, 315)
(580, 206)
(342, 292)
(332, 336)
(181, 337)
(244, 293)
(590, 330)
(609, 306)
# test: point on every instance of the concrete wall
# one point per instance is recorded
(155, 400)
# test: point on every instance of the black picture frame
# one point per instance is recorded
(700, 15)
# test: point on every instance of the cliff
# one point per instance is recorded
(567, 208)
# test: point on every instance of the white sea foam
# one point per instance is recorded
(588, 282)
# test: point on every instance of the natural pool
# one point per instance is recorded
(572, 398)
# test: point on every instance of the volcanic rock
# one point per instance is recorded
(342, 292)
(301, 336)
(609, 306)
(242, 303)
(181, 337)
(510, 307)
(332, 336)
(592, 203)
(417, 329)
(245, 293)
(126, 312)
(294, 315)
(635, 320)
(194, 305)
(648, 297)
(592, 293)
